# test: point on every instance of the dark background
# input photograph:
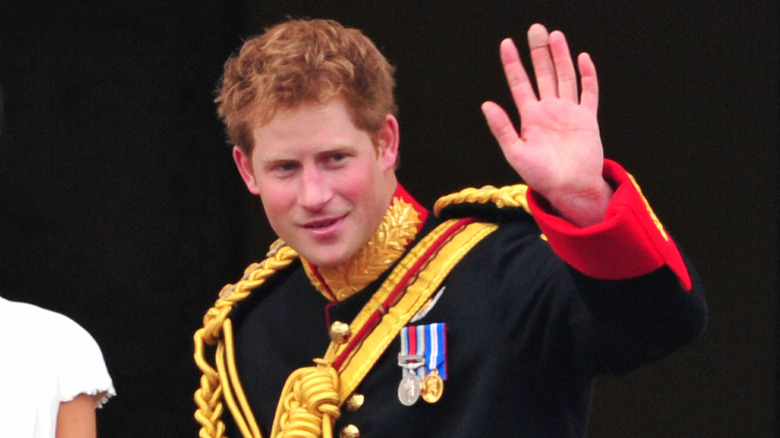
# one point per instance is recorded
(120, 207)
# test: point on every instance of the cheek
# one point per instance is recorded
(276, 200)
(358, 187)
(366, 191)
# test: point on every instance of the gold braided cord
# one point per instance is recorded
(215, 385)
(244, 424)
(208, 397)
(309, 404)
(507, 196)
(224, 383)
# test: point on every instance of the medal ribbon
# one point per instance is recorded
(427, 341)
(435, 355)
(412, 348)
(420, 350)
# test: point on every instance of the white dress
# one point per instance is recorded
(45, 358)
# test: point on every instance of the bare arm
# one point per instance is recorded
(76, 418)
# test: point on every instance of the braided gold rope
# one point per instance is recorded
(310, 402)
(507, 196)
(215, 385)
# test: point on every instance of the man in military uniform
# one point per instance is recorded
(371, 316)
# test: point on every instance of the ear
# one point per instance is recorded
(388, 140)
(244, 165)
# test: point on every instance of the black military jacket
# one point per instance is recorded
(526, 337)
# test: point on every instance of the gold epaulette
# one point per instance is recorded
(501, 197)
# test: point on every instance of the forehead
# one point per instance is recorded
(309, 124)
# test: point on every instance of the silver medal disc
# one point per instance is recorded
(409, 389)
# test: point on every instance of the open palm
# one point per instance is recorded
(558, 150)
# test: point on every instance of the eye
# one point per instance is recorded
(283, 168)
(338, 159)
(287, 167)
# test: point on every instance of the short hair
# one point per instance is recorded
(304, 61)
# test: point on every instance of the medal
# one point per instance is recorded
(423, 363)
(411, 359)
(432, 387)
(435, 362)
(409, 389)
(411, 383)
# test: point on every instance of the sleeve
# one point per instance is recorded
(643, 295)
(82, 368)
(628, 243)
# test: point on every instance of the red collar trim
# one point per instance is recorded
(401, 193)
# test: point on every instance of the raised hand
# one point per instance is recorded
(558, 150)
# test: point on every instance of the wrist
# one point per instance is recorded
(584, 207)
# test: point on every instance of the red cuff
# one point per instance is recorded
(629, 242)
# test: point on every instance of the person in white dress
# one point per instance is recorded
(53, 375)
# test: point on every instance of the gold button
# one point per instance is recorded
(339, 332)
(350, 431)
(355, 402)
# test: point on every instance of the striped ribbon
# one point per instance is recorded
(428, 341)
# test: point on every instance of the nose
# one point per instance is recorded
(314, 191)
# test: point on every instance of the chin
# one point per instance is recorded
(325, 260)
(333, 259)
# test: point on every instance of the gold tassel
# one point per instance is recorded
(309, 404)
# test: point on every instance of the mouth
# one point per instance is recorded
(316, 225)
(324, 228)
